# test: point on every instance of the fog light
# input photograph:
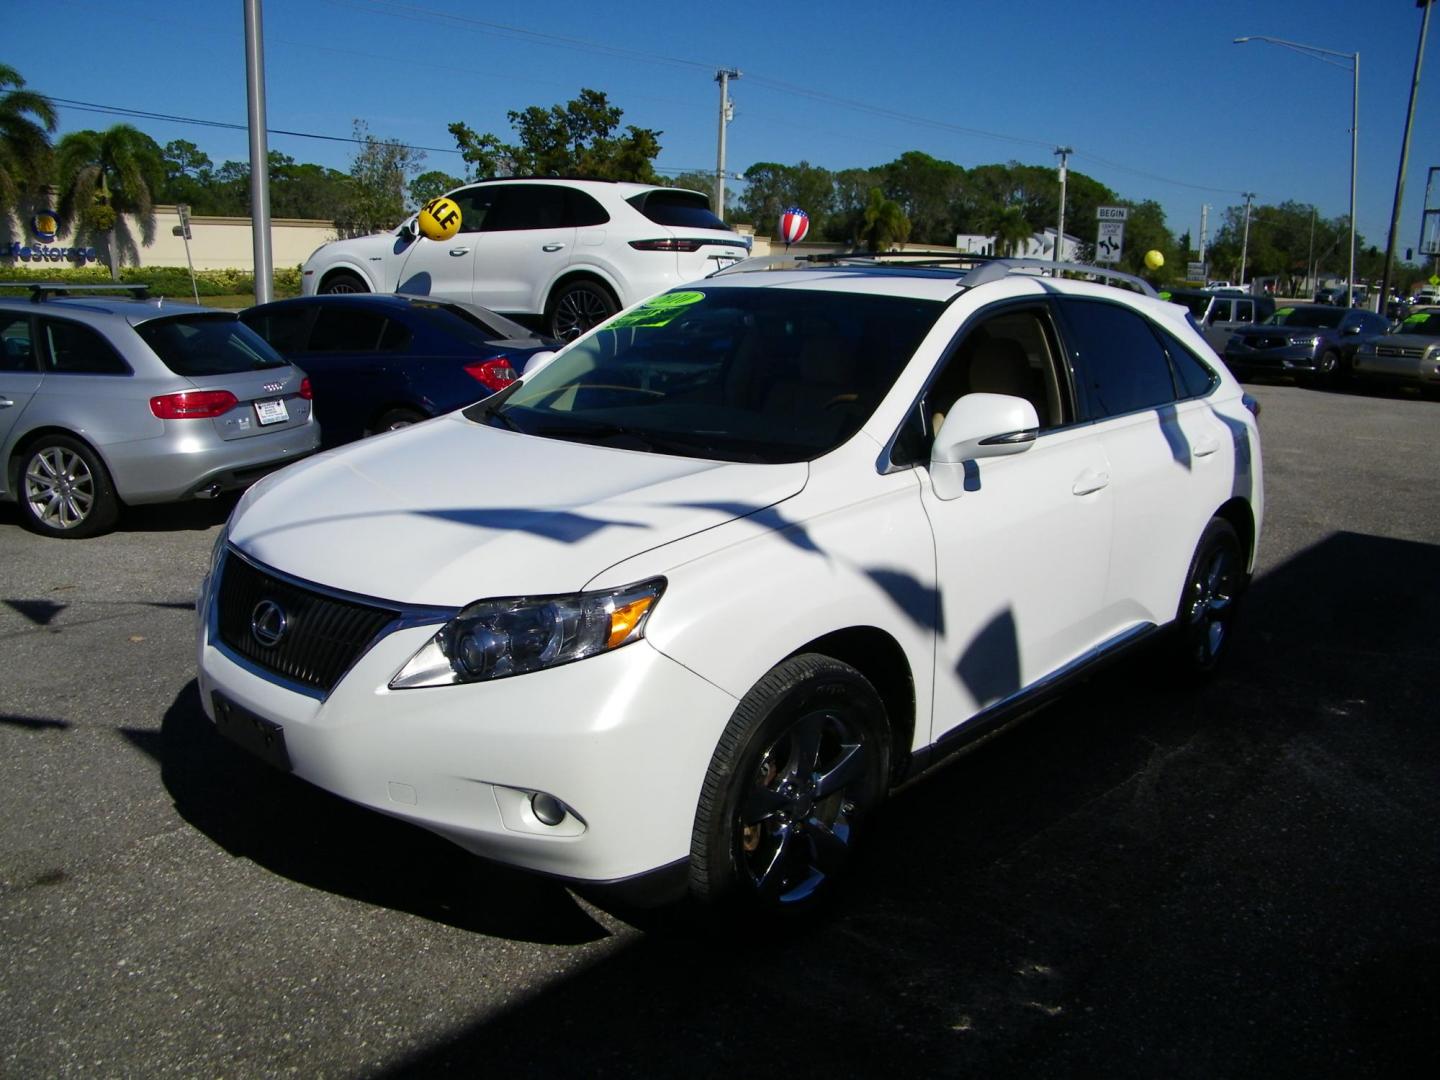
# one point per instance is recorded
(550, 810)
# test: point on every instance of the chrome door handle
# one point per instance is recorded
(5, 403)
(552, 247)
(459, 251)
(1090, 481)
(1206, 448)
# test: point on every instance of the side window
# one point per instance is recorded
(343, 329)
(475, 204)
(583, 209)
(1244, 311)
(17, 353)
(528, 206)
(284, 330)
(79, 350)
(1221, 311)
(395, 338)
(1120, 366)
(1192, 376)
(1011, 352)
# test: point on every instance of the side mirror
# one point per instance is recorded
(979, 426)
(1350, 330)
(407, 231)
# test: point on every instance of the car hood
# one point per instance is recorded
(358, 248)
(1405, 341)
(451, 511)
(1286, 331)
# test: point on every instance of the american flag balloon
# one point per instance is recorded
(794, 224)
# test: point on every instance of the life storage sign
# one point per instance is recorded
(44, 228)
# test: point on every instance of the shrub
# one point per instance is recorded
(171, 281)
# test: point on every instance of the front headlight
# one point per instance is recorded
(1309, 342)
(493, 639)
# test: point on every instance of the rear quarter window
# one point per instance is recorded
(192, 345)
(72, 349)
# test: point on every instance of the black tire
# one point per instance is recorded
(65, 490)
(1327, 370)
(804, 758)
(1210, 600)
(343, 281)
(395, 419)
(576, 306)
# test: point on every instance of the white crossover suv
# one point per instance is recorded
(678, 609)
(570, 252)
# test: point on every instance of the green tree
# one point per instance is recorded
(102, 176)
(27, 120)
(189, 172)
(431, 185)
(771, 189)
(927, 190)
(883, 224)
(851, 189)
(1011, 228)
(379, 174)
(575, 139)
(1146, 231)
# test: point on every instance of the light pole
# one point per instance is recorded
(259, 152)
(1064, 152)
(1325, 57)
(1404, 159)
(1245, 243)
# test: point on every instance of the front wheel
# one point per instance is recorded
(804, 758)
(65, 489)
(395, 419)
(1210, 602)
(578, 306)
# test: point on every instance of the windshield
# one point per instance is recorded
(736, 374)
(1195, 302)
(1422, 322)
(208, 345)
(1322, 318)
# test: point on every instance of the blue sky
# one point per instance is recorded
(1154, 97)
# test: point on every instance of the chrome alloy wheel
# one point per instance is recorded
(793, 825)
(59, 488)
(1213, 593)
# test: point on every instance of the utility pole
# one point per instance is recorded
(1310, 259)
(259, 151)
(1245, 244)
(1064, 152)
(1204, 223)
(1404, 158)
(727, 112)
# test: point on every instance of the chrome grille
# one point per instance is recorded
(1399, 350)
(323, 635)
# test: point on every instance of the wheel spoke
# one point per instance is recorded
(771, 879)
(805, 750)
(847, 770)
(761, 803)
(828, 848)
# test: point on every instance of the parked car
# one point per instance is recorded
(1408, 356)
(1220, 314)
(569, 252)
(109, 398)
(678, 610)
(379, 362)
(1305, 341)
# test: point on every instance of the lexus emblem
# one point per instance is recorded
(268, 623)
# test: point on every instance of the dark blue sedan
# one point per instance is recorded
(381, 361)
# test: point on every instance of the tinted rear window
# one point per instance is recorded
(208, 345)
(682, 209)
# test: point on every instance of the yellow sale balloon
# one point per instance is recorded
(1154, 260)
(439, 219)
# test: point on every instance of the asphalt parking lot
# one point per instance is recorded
(1141, 881)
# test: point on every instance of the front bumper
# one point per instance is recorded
(623, 740)
(1289, 358)
(1424, 371)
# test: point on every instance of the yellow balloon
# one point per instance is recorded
(1154, 260)
(439, 219)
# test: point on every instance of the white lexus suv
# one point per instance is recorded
(678, 609)
(571, 252)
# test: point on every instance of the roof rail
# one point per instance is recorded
(851, 258)
(999, 268)
(41, 290)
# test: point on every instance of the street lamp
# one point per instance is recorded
(1325, 57)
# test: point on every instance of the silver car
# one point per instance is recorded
(1408, 355)
(109, 399)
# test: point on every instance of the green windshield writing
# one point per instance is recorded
(657, 311)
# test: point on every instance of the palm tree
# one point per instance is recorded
(882, 223)
(27, 120)
(103, 175)
(1010, 228)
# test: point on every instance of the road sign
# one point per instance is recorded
(1197, 271)
(1110, 241)
(1112, 213)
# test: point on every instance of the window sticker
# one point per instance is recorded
(1281, 312)
(658, 311)
(1418, 318)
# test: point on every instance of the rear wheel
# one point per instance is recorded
(395, 419)
(65, 489)
(804, 758)
(343, 281)
(1208, 606)
(577, 306)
